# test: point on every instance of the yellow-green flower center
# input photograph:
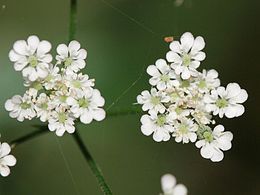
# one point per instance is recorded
(33, 61)
(63, 98)
(208, 136)
(68, 61)
(183, 129)
(25, 105)
(84, 103)
(185, 83)
(76, 84)
(155, 100)
(221, 103)
(62, 117)
(164, 78)
(161, 120)
(44, 106)
(202, 84)
(186, 59)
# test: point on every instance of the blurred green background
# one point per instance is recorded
(122, 37)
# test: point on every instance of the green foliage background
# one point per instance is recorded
(121, 41)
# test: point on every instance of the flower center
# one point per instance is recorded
(222, 103)
(76, 84)
(208, 136)
(185, 83)
(186, 59)
(33, 61)
(164, 78)
(37, 85)
(62, 117)
(155, 100)
(44, 106)
(84, 103)
(25, 105)
(161, 120)
(174, 96)
(178, 110)
(183, 129)
(202, 84)
(68, 61)
(63, 98)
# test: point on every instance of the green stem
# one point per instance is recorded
(73, 19)
(93, 165)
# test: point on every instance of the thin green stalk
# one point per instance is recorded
(73, 19)
(93, 165)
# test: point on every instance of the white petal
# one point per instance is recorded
(9, 160)
(33, 42)
(187, 41)
(4, 171)
(199, 56)
(20, 47)
(74, 46)
(168, 182)
(233, 89)
(99, 114)
(185, 74)
(153, 71)
(175, 46)
(62, 50)
(5, 149)
(207, 151)
(241, 97)
(218, 155)
(173, 57)
(198, 44)
(180, 189)
(82, 54)
(86, 118)
(43, 48)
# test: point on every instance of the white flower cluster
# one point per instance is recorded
(169, 186)
(182, 100)
(58, 93)
(6, 159)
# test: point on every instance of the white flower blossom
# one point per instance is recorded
(186, 55)
(6, 159)
(185, 109)
(153, 101)
(63, 94)
(169, 186)
(185, 131)
(87, 106)
(158, 125)
(31, 57)
(21, 107)
(208, 80)
(214, 142)
(162, 75)
(226, 101)
(71, 56)
(61, 121)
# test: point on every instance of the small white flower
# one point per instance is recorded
(50, 82)
(226, 101)
(61, 121)
(79, 83)
(158, 125)
(87, 106)
(208, 80)
(185, 131)
(169, 186)
(71, 56)
(6, 160)
(214, 142)
(31, 57)
(21, 107)
(43, 107)
(186, 55)
(153, 101)
(162, 75)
